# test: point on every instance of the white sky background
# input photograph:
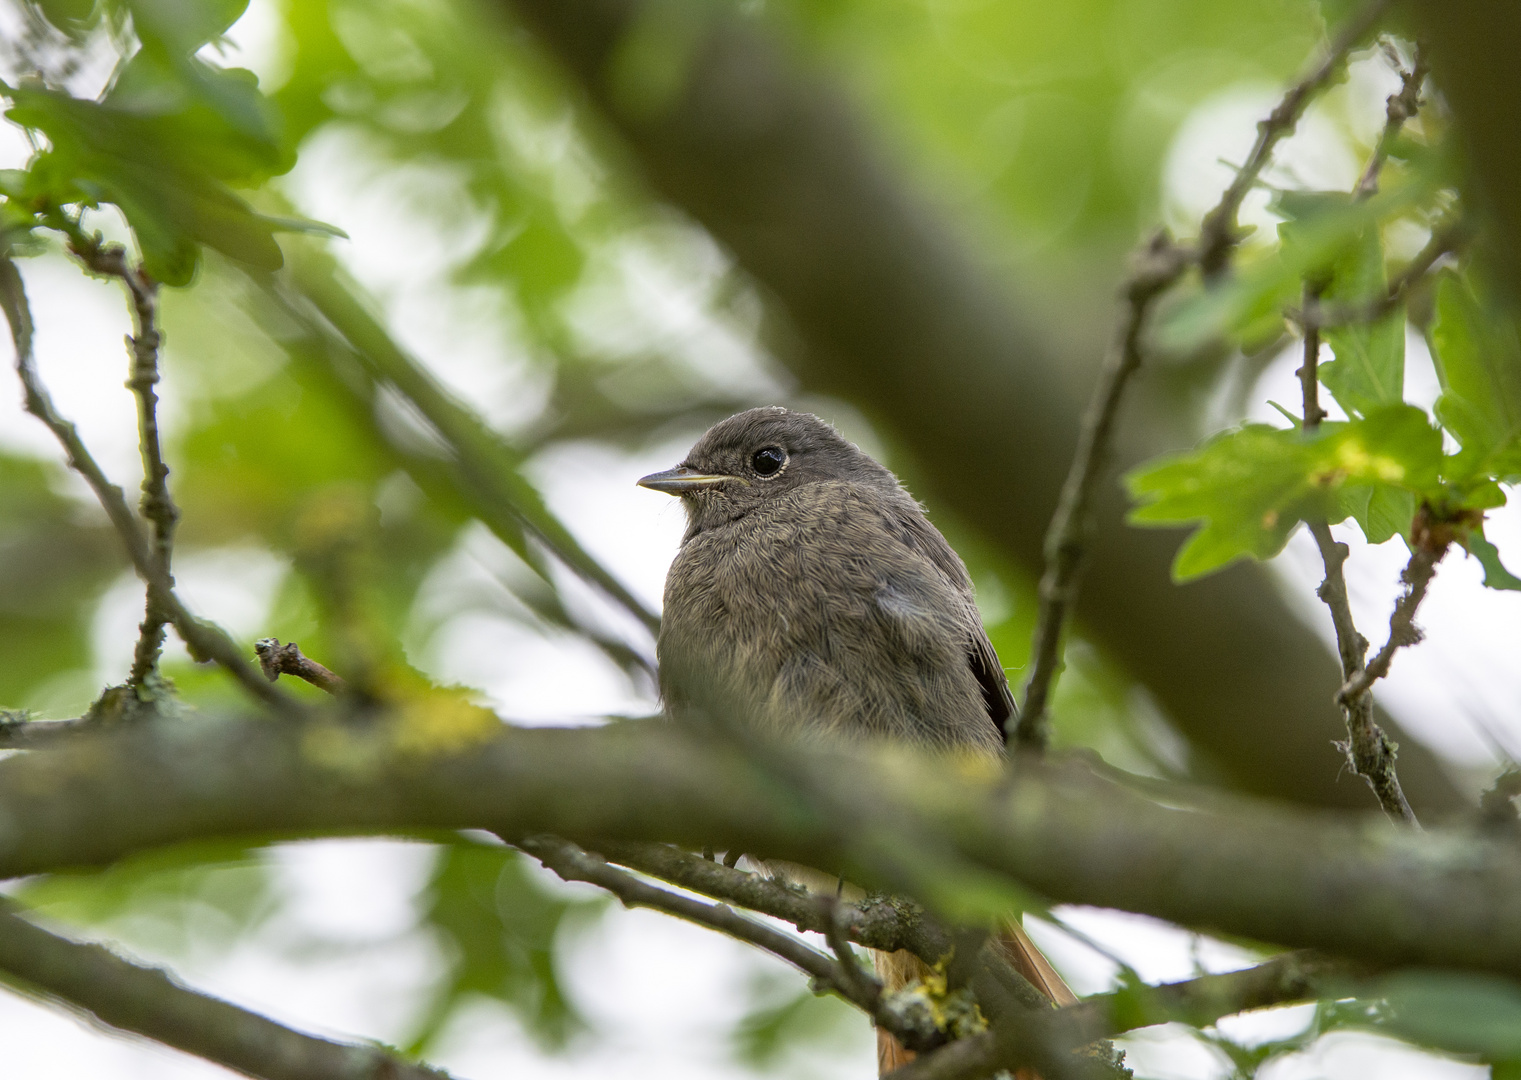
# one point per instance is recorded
(661, 993)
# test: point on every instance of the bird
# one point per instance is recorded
(811, 586)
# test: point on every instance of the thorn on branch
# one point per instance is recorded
(276, 660)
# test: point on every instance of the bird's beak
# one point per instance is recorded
(681, 480)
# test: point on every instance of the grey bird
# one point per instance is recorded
(811, 587)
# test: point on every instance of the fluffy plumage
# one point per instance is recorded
(811, 592)
(820, 595)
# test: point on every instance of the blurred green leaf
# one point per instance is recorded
(499, 925)
(1251, 486)
(1478, 360)
(1458, 1012)
(175, 899)
(1326, 238)
(783, 1021)
(1369, 369)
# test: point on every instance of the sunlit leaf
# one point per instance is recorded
(1251, 486)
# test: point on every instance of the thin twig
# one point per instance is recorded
(876, 922)
(1200, 1002)
(1155, 270)
(574, 864)
(1400, 107)
(864, 985)
(156, 505)
(205, 640)
(276, 660)
(148, 1001)
(1431, 544)
(1368, 750)
(1219, 233)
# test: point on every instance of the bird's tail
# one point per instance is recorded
(899, 969)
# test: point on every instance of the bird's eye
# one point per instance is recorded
(768, 460)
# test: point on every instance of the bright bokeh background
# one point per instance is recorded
(1050, 150)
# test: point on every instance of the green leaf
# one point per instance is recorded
(1458, 1012)
(1251, 486)
(1369, 369)
(1388, 514)
(1478, 360)
(1495, 574)
(1324, 232)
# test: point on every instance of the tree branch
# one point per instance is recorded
(1400, 107)
(148, 1001)
(1368, 750)
(878, 922)
(205, 640)
(853, 985)
(276, 660)
(1219, 234)
(156, 505)
(1236, 867)
(1155, 271)
(1199, 1002)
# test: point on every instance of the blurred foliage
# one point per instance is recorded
(505, 211)
(179, 901)
(498, 925)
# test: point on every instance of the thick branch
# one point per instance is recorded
(1326, 881)
(1157, 268)
(148, 1001)
(1219, 234)
(205, 640)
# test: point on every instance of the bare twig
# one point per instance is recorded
(1368, 750)
(1400, 107)
(864, 986)
(1156, 268)
(148, 1001)
(276, 660)
(205, 641)
(574, 864)
(1219, 234)
(156, 505)
(1200, 1002)
(1430, 541)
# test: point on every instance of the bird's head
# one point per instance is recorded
(754, 457)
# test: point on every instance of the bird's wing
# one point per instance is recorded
(981, 656)
(995, 684)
